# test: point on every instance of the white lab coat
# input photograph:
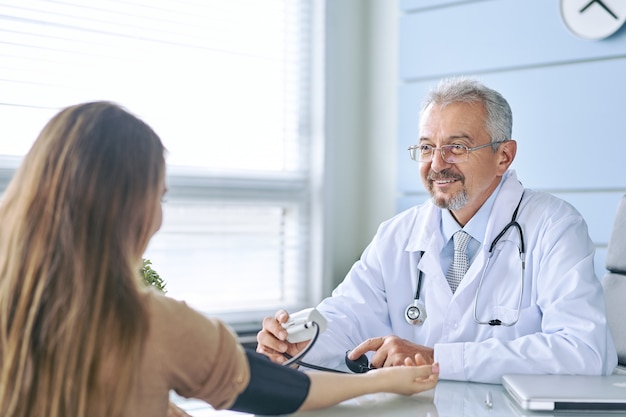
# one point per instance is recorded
(562, 326)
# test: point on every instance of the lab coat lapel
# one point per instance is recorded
(503, 208)
(426, 237)
(425, 229)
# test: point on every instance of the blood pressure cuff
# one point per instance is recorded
(273, 389)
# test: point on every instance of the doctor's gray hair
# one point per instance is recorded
(499, 121)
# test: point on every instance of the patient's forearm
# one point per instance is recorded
(328, 389)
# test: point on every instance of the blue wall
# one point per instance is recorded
(568, 96)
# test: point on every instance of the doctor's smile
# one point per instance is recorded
(444, 177)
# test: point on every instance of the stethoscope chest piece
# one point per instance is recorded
(415, 313)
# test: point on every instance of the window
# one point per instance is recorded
(227, 84)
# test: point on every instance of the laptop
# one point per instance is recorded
(567, 393)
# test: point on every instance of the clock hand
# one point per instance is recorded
(601, 3)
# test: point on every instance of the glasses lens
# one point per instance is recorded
(420, 153)
(425, 153)
(454, 154)
(450, 153)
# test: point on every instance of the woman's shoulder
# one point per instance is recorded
(199, 353)
(175, 316)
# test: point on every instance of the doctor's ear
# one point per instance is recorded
(506, 154)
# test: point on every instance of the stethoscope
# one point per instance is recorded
(415, 313)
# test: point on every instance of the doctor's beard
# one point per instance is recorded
(454, 202)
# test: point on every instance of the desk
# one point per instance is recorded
(448, 399)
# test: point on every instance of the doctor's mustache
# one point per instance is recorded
(445, 174)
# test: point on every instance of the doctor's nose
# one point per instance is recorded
(437, 163)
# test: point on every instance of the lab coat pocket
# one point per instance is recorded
(515, 323)
(506, 314)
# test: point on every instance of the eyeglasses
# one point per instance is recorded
(452, 154)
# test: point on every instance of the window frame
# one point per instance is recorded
(184, 183)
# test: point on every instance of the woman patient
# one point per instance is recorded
(81, 335)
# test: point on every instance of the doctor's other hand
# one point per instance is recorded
(394, 351)
(272, 339)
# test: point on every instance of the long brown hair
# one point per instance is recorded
(74, 222)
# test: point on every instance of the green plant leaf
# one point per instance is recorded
(151, 277)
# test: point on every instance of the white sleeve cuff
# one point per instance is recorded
(450, 357)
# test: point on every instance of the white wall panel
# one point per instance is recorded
(415, 5)
(491, 36)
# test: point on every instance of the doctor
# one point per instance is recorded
(528, 302)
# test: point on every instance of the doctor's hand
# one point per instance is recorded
(272, 339)
(394, 351)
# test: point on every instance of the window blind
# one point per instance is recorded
(227, 85)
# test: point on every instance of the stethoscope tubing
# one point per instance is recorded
(493, 322)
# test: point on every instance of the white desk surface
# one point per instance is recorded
(448, 399)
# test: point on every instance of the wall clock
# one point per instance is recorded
(593, 19)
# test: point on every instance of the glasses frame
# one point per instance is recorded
(415, 150)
